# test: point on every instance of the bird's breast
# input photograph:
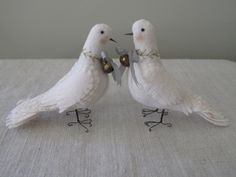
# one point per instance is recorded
(147, 73)
(147, 70)
(97, 83)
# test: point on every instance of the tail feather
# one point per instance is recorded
(204, 110)
(13, 122)
(216, 119)
(24, 111)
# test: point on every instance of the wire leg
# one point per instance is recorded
(81, 113)
(152, 124)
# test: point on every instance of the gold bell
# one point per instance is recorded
(107, 67)
(124, 60)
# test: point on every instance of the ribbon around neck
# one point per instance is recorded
(116, 75)
(133, 58)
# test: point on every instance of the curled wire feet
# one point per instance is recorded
(152, 124)
(81, 112)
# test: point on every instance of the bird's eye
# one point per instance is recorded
(102, 32)
(142, 29)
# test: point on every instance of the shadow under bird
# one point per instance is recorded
(154, 87)
(81, 87)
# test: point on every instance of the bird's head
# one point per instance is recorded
(143, 33)
(98, 37)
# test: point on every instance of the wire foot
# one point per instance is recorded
(152, 124)
(83, 113)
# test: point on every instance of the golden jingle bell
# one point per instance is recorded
(107, 67)
(124, 60)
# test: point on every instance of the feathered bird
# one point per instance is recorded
(81, 87)
(156, 88)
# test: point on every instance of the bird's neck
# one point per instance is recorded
(148, 53)
(146, 47)
(93, 50)
(91, 55)
(147, 50)
(93, 46)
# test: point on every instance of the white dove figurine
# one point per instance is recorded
(81, 87)
(156, 88)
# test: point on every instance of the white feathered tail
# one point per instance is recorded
(25, 111)
(202, 108)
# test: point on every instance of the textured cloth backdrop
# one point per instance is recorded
(118, 144)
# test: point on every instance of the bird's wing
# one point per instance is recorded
(73, 88)
(77, 89)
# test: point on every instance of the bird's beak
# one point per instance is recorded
(129, 34)
(112, 40)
